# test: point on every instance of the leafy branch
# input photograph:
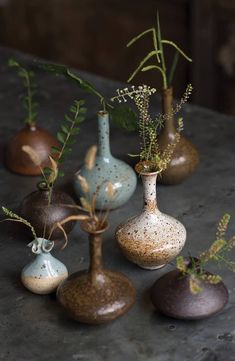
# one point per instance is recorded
(29, 104)
(158, 54)
(124, 117)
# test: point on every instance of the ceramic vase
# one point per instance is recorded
(107, 169)
(41, 142)
(152, 238)
(36, 210)
(185, 158)
(99, 295)
(45, 272)
(172, 297)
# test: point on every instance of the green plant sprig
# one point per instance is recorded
(151, 157)
(217, 252)
(15, 218)
(158, 54)
(28, 80)
(122, 116)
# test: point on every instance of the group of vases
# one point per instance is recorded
(151, 239)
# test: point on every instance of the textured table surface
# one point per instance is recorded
(35, 328)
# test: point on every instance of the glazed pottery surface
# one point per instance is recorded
(171, 296)
(107, 169)
(98, 295)
(40, 140)
(185, 158)
(45, 272)
(152, 238)
(35, 209)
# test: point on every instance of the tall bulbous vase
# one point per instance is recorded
(45, 272)
(99, 295)
(39, 140)
(185, 158)
(152, 238)
(107, 169)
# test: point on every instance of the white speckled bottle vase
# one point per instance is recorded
(107, 169)
(152, 238)
(45, 272)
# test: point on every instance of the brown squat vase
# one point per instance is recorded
(35, 209)
(97, 295)
(39, 139)
(171, 296)
(185, 157)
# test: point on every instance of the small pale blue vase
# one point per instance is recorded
(44, 274)
(106, 170)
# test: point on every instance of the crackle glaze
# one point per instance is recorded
(107, 169)
(152, 238)
(185, 158)
(99, 295)
(45, 272)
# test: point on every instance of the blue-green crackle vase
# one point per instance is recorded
(107, 169)
(44, 274)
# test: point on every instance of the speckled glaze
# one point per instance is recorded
(45, 272)
(107, 169)
(171, 296)
(37, 138)
(99, 295)
(185, 158)
(152, 238)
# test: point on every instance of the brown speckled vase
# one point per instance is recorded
(152, 238)
(39, 139)
(36, 210)
(185, 157)
(97, 295)
(171, 296)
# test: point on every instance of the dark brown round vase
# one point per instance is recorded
(97, 295)
(39, 139)
(35, 209)
(171, 296)
(185, 158)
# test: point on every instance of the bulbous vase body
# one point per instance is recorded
(107, 169)
(185, 158)
(152, 238)
(39, 140)
(171, 296)
(97, 295)
(45, 272)
(36, 210)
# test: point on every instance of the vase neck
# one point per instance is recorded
(167, 107)
(103, 135)
(149, 186)
(96, 265)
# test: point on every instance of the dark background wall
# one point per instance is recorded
(92, 35)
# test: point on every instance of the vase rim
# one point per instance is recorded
(103, 112)
(146, 173)
(85, 228)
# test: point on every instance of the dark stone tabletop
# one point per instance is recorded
(35, 328)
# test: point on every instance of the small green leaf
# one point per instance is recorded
(61, 137)
(55, 150)
(75, 131)
(65, 129)
(124, 117)
(68, 119)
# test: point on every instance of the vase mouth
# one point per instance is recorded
(89, 227)
(168, 90)
(42, 186)
(145, 169)
(103, 113)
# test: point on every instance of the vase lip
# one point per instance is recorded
(140, 165)
(168, 90)
(103, 113)
(42, 186)
(85, 227)
(32, 126)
